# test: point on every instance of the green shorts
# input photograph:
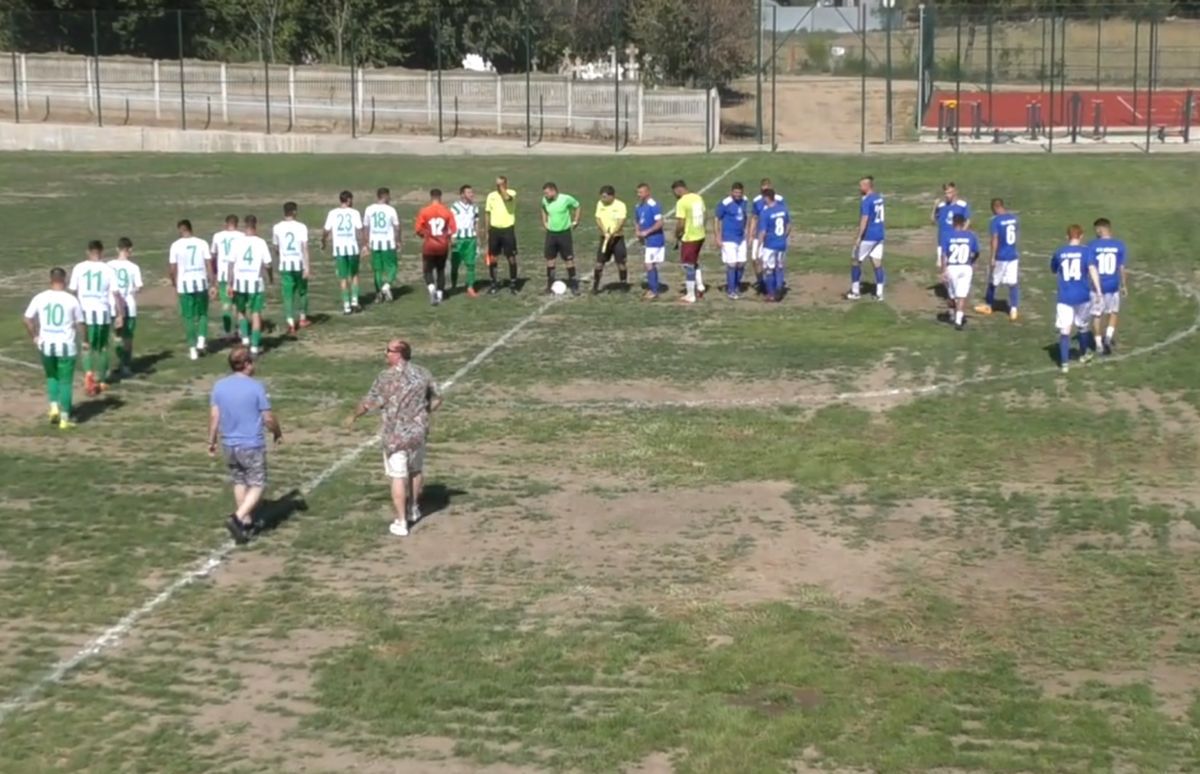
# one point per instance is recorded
(97, 335)
(346, 266)
(193, 305)
(464, 250)
(223, 292)
(250, 303)
(128, 328)
(380, 258)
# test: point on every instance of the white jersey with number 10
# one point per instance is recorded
(58, 313)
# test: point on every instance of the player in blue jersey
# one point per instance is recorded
(945, 210)
(649, 228)
(870, 239)
(730, 221)
(757, 206)
(1109, 254)
(1006, 232)
(1074, 266)
(959, 250)
(774, 227)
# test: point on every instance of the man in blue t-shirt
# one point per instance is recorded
(239, 410)
(774, 227)
(959, 250)
(730, 222)
(870, 239)
(1109, 254)
(1006, 232)
(648, 219)
(1075, 269)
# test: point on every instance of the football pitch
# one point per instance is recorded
(732, 537)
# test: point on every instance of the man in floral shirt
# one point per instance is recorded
(405, 394)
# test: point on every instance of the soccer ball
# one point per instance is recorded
(558, 288)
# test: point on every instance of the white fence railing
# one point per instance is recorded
(199, 94)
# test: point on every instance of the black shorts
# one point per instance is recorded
(502, 241)
(433, 261)
(560, 244)
(616, 249)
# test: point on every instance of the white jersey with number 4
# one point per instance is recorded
(344, 223)
(58, 314)
(381, 220)
(189, 256)
(289, 238)
(129, 282)
(95, 283)
(222, 251)
(250, 256)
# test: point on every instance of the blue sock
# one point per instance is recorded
(1014, 297)
(879, 278)
(1064, 350)
(769, 283)
(652, 280)
(689, 272)
(991, 295)
(737, 276)
(1084, 345)
(778, 279)
(730, 280)
(855, 273)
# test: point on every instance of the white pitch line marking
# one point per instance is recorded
(112, 636)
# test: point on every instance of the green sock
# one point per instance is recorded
(378, 272)
(470, 272)
(202, 324)
(66, 379)
(189, 330)
(244, 328)
(391, 270)
(226, 321)
(52, 390)
(289, 290)
(103, 357)
(255, 339)
(303, 285)
(87, 361)
(354, 290)
(346, 296)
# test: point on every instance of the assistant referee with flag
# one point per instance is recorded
(610, 219)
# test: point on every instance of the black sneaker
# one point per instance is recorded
(960, 326)
(575, 288)
(513, 289)
(237, 530)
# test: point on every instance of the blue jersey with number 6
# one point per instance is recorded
(1109, 255)
(1070, 265)
(1006, 230)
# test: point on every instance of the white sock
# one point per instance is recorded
(254, 350)
(691, 288)
(854, 288)
(879, 290)
(699, 279)
(199, 342)
(958, 318)
(1109, 332)
(54, 407)
(432, 289)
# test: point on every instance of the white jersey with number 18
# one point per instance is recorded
(381, 220)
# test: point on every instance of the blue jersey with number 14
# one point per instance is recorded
(1109, 255)
(1006, 230)
(872, 209)
(1070, 265)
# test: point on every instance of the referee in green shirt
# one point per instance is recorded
(560, 216)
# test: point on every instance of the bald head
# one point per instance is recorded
(399, 349)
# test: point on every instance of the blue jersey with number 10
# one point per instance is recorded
(1006, 230)
(1070, 265)
(872, 209)
(1109, 255)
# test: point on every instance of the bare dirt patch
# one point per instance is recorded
(1168, 410)
(158, 296)
(1175, 685)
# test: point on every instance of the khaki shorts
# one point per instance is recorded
(405, 463)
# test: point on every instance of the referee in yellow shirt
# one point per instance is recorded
(610, 219)
(500, 209)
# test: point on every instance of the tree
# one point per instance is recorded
(694, 42)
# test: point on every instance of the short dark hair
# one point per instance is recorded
(239, 358)
(383, 191)
(766, 181)
(607, 190)
(737, 187)
(251, 221)
(435, 193)
(960, 220)
(678, 184)
(290, 208)
(948, 185)
(231, 220)
(768, 193)
(997, 202)
(868, 178)
(462, 189)
(58, 274)
(643, 185)
(1102, 223)
(185, 223)
(550, 185)
(95, 245)
(125, 243)
(345, 197)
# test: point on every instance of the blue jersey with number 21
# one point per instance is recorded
(872, 209)
(1070, 266)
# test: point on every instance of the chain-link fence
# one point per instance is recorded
(255, 71)
(852, 75)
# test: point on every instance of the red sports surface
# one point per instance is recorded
(1118, 109)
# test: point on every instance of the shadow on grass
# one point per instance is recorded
(436, 498)
(89, 410)
(144, 365)
(274, 512)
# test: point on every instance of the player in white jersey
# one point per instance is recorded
(344, 228)
(251, 260)
(95, 283)
(383, 237)
(191, 272)
(290, 238)
(465, 249)
(54, 320)
(222, 256)
(129, 282)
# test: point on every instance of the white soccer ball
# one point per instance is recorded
(558, 288)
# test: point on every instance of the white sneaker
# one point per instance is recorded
(440, 296)
(245, 342)
(254, 351)
(852, 296)
(414, 514)
(399, 528)
(386, 292)
(201, 344)
(193, 354)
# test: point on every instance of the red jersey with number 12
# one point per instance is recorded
(435, 225)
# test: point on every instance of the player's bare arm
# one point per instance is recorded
(32, 329)
(863, 220)
(545, 219)
(325, 239)
(1094, 277)
(1124, 286)
(304, 253)
(271, 422)
(995, 248)
(214, 421)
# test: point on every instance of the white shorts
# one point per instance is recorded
(1106, 303)
(733, 253)
(403, 464)
(772, 259)
(872, 250)
(958, 281)
(1066, 315)
(656, 254)
(1005, 272)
